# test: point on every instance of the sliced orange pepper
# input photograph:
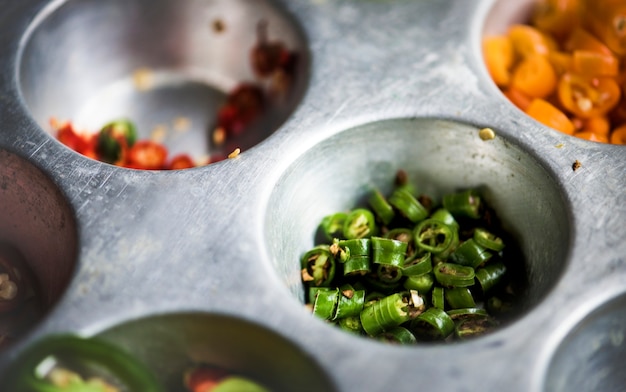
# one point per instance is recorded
(547, 114)
(528, 40)
(589, 63)
(581, 39)
(519, 99)
(588, 97)
(618, 136)
(498, 54)
(607, 20)
(593, 137)
(599, 125)
(562, 62)
(557, 17)
(535, 76)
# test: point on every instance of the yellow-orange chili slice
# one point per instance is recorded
(547, 114)
(588, 97)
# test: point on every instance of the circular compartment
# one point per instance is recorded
(166, 65)
(171, 344)
(38, 233)
(561, 67)
(590, 357)
(440, 157)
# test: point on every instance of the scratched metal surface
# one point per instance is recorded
(204, 261)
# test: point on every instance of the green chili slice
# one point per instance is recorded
(454, 275)
(386, 313)
(437, 298)
(356, 247)
(389, 252)
(422, 283)
(405, 235)
(466, 204)
(474, 327)
(408, 205)
(490, 275)
(381, 207)
(465, 313)
(238, 384)
(115, 136)
(351, 324)
(91, 356)
(359, 265)
(350, 302)
(359, 223)
(332, 225)
(445, 216)
(471, 254)
(488, 240)
(318, 266)
(459, 298)
(388, 273)
(419, 265)
(397, 335)
(325, 304)
(433, 324)
(433, 236)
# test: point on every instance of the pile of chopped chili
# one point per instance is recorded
(566, 68)
(406, 269)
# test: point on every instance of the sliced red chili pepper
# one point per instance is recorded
(244, 104)
(203, 378)
(72, 139)
(147, 155)
(181, 161)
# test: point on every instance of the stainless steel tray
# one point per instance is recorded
(202, 264)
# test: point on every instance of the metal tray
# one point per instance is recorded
(202, 263)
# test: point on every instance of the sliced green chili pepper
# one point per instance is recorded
(454, 275)
(356, 247)
(470, 328)
(433, 236)
(359, 223)
(397, 335)
(445, 216)
(408, 205)
(389, 252)
(373, 297)
(497, 305)
(359, 265)
(404, 235)
(433, 324)
(421, 283)
(465, 313)
(420, 265)
(467, 204)
(381, 207)
(325, 304)
(313, 292)
(350, 302)
(115, 136)
(437, 298)
(238, 384)
(459, 298)
(490, 275)
(471, 254)
(351, 324)
(386, 313)
(318, 266)
(388, 273)
(488, 240)
(93, 356)
(332, 225)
